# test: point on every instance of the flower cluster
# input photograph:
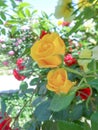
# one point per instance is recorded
(48, 53)
(20, 67)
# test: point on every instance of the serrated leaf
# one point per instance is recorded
(60, 102)
(42, 112)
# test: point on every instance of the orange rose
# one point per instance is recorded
(58, 81)
(48, 50)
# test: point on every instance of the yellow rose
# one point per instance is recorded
(64, 9)
(48, 50)
(58, 81)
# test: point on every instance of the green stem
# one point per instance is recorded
(73, 71)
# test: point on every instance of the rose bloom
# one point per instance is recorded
(69, 60)
(48, 50)
(19, 63)
(84, 93)
(17, 75)
(3, 46)
(65, 23)
(5, 124)
(42, 33)
(58, 81)
(5, 63)
(11, 53)
(64, 10)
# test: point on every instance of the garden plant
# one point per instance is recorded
(58, 54)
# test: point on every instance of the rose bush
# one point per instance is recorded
(62, 66)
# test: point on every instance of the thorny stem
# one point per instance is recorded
(73, 71)
(30, 99)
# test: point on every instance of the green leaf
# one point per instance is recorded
(76, 112)
(86, 126)
(30, 125)
(88, 12)
(34, 81)
(42, 88)
(44, 14)
(61, 101)
(21, 14)
(61, 115)
(3, 15)
(1, 22)
(3, 3)
(61, 125)
(42, 112)
(27, 11)
(13, 29)
(3, 31)
(35, 11)
(49, 125)
(77, 25)
(68, 126)
(14, 5)
(14, 21)
(23, 4)
(94, 121)
(23, 86)
(37, 101)
(94, 83)
(3, 107)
